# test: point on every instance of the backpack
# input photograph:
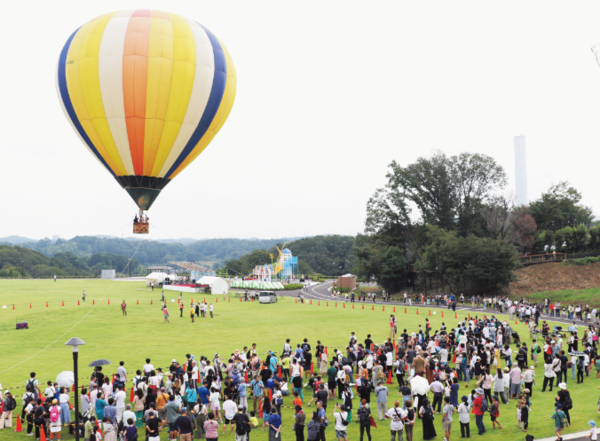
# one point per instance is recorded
(363, 416)
(54, 414)
(401, 366)
(380, 375)
(428, 415)
(484, 405)
(538, 349)
(241, 428)
(345, 421)
(11, 403)
(28, 398)
(568, 403)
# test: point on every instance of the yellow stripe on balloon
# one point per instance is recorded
(76, 93)
(182, 82)
(220, 117)
(90, 85)
(158, 88)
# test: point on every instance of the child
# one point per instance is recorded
(297, 401)
(560, 420)
(495, 412)
(592, 434)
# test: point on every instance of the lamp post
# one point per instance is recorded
(75, 343)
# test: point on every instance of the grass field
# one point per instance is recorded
(586, 296)
(143, 334)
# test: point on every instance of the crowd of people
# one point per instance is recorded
(246, 390)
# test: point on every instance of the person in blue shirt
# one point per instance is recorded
(203, 393)
(299, 353)
(273, 363)
(110, 411)
(243, 394)
(191, 393)
(274, 425)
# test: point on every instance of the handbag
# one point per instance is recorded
(372, 422)
(70, 406)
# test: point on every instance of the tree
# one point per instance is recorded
(392, 276)
(375, 260)
(448, 191)
(560, 207)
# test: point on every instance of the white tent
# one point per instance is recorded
(157, 277)
(217, 284)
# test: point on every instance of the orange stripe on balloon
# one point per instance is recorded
(135, 76)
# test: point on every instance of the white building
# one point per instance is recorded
(521, 171)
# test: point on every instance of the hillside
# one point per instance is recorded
(555, 277)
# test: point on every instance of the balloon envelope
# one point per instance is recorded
(146, 91)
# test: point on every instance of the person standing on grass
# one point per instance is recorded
(341, 421)
(210, 308)
(192, 312)
(448, 410)
(185, 426)
(83, 296)
(495, 412)
(560, 421)
(479, 411)
(166, 314)
(398, 416)
(464, 418)
(180, 307)
(382, 393)
(364, 414)
(124, 307)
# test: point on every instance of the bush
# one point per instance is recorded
(293, 286)
(584, 261)
(321, 280)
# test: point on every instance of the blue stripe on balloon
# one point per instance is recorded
(214, 101)
(66, 99)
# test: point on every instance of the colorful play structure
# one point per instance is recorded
(285, 268)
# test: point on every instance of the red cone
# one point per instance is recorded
(326, 303)
(19, 427)
(389, 380)
(326, 352)
(63, 303)
(344, 306)
(353, 306)
(394, 309)
(246, 376)
(240, 299)
(319, 303)
(311, 367)
(77, 302)
(46, 304)
(151, 301)
(30, 305)
(13, 306)
(383, 310)
(109, 301)
(417, 312)
(455, 315)
(261, 412)
(132, 395)
(404, 310)
(93, 302)
(42, 434)
(138, 302)
(442, 314)
(363, 306)
(336, 304)
(311, 302)
(373, 308)
(229, 299)
(430, 313)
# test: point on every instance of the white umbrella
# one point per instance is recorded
(65, 379)
(419, 385)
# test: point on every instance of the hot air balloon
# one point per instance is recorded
(146, 91)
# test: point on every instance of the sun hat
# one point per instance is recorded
(592, 423)
(479, 391)
(563, 386)
(173, 361)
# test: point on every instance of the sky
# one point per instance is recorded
(328, 94)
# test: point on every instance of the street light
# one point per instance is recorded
(75, 343)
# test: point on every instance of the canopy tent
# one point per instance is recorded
(255, 284)
(217, 285)
(157, 277)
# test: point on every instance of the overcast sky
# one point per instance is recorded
(328, 93)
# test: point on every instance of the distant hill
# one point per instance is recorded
(209, 252)
(15, 240)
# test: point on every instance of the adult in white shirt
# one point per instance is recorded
(93, 399)
(340, 415)
(49, 391)
(230, 409)
(369, 362)
(397, 415)
(128, 414)
(120, 397)
(122, 373)
(148, 368)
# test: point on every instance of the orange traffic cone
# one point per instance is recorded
(336, 304)
(241, 299)
(417, 312)
(311, 302)
(19, 427)
(109, 301)
(383, 310)
(344, 305)
(46, 304)
(296, 301)
(229, 299)
(516, 323)
(246, 376)
(77, 302)
(353, 306)
(404, 310)
(151, 301)
(132, 396)
(394, 309)
(42, 433)
(455, 315)
(363, 306)
(30, 306)
(63, 303)
(326, 303)
(430, 313)
(319, 303)
(373, 308)
(13, 306)
(138, 302)
(93, 302)
(389, 381)
(469, 316)
(442, 314)
(261, 412)
(326, 352)
(311, 367)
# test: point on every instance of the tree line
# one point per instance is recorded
(448, 218)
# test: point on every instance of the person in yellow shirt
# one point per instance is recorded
(285, 366)
(192, 312)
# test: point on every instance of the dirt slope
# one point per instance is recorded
(555, 277)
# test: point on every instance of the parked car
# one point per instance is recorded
(267, 297)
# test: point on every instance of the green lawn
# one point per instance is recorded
(143, 334)
(589, 296)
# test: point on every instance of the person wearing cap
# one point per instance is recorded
(242, 424)
(560, 421)
(564, 398)
(185, 425)
(478, 412)
(592, 435)
(464, 418)
(382, 393)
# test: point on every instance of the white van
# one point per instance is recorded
(267, 297)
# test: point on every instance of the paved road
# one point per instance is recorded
(321, 292)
